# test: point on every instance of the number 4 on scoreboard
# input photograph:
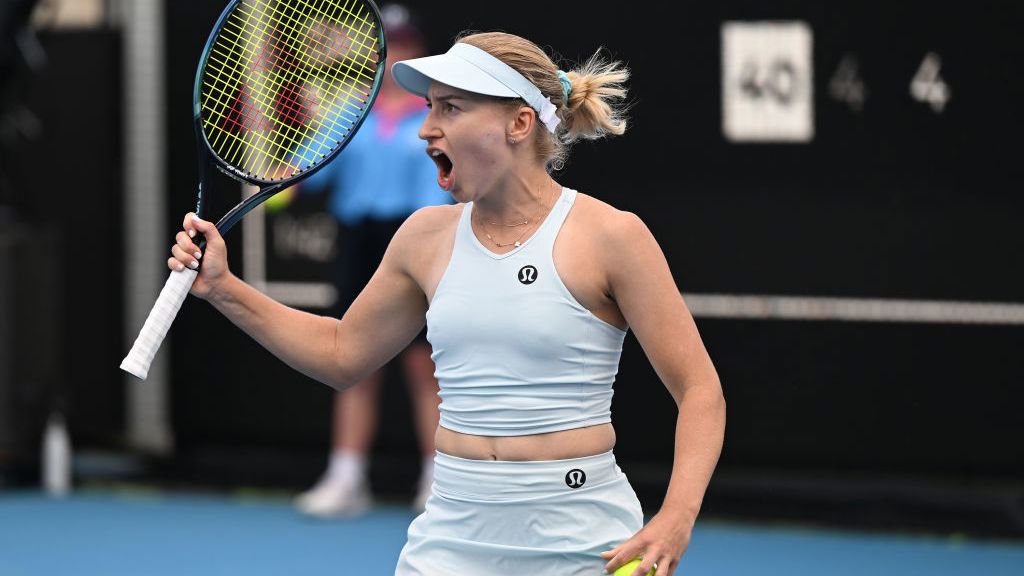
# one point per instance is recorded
(928, 86)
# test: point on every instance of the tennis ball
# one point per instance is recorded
(279, 201)
(627, 569)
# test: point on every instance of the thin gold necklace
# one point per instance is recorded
(518, 241)
(512, 225)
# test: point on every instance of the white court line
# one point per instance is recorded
(770, 307)
(303, 294)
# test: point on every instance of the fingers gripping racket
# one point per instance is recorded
(281, 88)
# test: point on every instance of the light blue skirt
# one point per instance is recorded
(539, 518)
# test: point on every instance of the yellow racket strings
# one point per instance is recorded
(285, 81)
(260, 119)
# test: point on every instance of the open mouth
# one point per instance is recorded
(444, 168)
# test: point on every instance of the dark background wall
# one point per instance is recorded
(891, 201)
(60, 188)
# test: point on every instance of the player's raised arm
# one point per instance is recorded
(379, 324)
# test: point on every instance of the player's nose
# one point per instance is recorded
(429, 129)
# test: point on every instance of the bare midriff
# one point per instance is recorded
(565, 444)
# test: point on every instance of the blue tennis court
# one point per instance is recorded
(136, 531)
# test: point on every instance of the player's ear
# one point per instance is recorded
(520, 124)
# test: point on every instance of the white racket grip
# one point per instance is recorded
(158, 323)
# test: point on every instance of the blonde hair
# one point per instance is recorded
(595, 108)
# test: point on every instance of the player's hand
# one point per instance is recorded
(185, 254)
(661, 542)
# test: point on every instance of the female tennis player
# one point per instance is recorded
(527, 289)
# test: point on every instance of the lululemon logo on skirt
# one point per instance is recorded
(575, 478)
(527, 274)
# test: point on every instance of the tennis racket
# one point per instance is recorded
(281, 88)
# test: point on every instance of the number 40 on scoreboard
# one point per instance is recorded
(767, 82)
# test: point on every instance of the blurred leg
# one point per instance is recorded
(344, 489)
(355, 417)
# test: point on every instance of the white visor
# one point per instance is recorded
(469, 68)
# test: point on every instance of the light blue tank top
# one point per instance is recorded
(515, 353)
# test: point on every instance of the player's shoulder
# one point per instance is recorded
(609, 222)
(620, 242)
(422, 236)
(427, 224)
(430, 218)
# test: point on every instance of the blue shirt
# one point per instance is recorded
(383, 173)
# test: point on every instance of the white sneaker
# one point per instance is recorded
(332, 499)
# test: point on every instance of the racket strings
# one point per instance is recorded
(285, 82)
(286, 64)
(282, 90)
(323, 49)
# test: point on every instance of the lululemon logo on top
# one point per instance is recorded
(575, 478)
(527, 274)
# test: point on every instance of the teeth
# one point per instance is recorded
(435, 153)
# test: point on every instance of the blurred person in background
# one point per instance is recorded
(382, 177)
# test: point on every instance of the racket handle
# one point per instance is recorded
(158, 323)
